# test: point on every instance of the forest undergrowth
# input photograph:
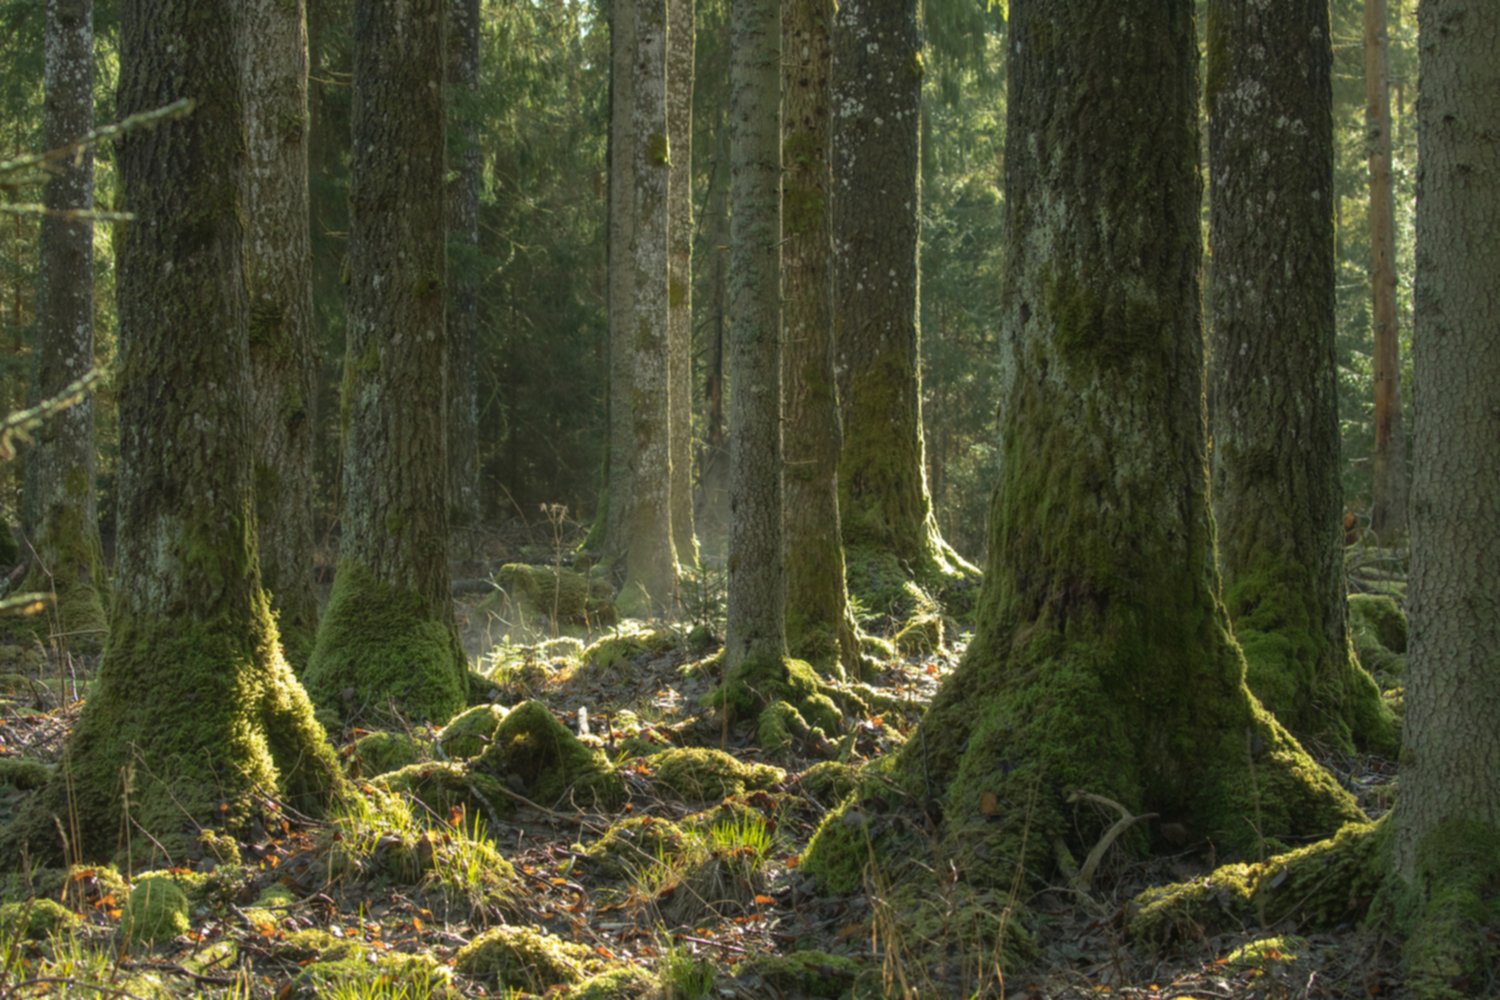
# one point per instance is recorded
(675, 876)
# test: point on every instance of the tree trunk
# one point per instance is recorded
(388, 645)
(650, 570)
(887, 511)
(680, 39)
(1447, 817)
(463, 265)
(621, 306)
(1389, 486)
(69, 561)
(1278, 497)
(756, 619)
(190, 626)
(278, 277)
(712, 509)
(819, 623)
(1102, 659)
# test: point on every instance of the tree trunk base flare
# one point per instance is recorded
(1321, 694)
(786, 698)
(384, 655)
(880, 579)
(143, 784)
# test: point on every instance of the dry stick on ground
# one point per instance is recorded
(1085, 876)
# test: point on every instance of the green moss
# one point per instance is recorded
(392, 974)
(469, 732)
(560, 596)
(847, 841)
(759, 682)
(920, 636)
(523, 958)
(156, 911)
(385, 653)
(696, 774)
(777, 727)
(828, 783)
(621, 983)
(1449, 912)
(633, 843)
(35, 920)
(626, 644)
(1377, 628)
(535, 753)
(75, 576)
(442, 787)
(1265, 953)
(25, 774)
(800, 973)
(379, 752)
(657, 150)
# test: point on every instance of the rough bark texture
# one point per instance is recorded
(1278, 499)
(62, 461)
(756, 630)
(1102, 658)
(618, 489)
(877, 90)
(1388, 510)
(1447, 843)
(463, 267)
(278, 277)
(387, 644)
(650, 570)
(680, 38)
(190, 624)
(819, 623)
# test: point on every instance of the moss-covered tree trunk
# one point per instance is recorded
(387, 644)
(1277, 493)
(756, 619)
(1447, 817)
(1389, 486)
(195, 716)
(681, 37)
(650, 569)
(877, 91)
(61, 480)
(819, 623)
(1102, 659)
(463, 265)
(278, 276)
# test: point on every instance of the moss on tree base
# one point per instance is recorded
(785, 696)
(1448, 914)
(384, 654)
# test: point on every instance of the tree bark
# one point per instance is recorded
(819, 623)
(680, 53)
(1102, 658)
(190, 624)
(69, 561)
(1389, 486)
(388, 645)
(1278, 497)
(463, 265)
(278, 277)
(621, 292)
(883, 497)
(1447, 817)
(756, 630)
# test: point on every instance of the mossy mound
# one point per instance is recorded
(440, 787)
(841, 848)
(759, 683)
(699, 775)
(469, 732)
(922, 635)
(626, 645)
(812, 974)
(385, 654)
(534, 753)
(1266, 953)
(560, 596)
(391, 974)
(1377, 627)
(524, 958)
(156, 911)
(25, 774)
(35, 920)
(633, 843)
(381, 752)
(621, 983)
(828, 783)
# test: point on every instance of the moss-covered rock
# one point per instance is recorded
(560, 596)
(156, 911)
(35, 920)
(627, 644)
(523, 958)
(828, 783)
(537, 755)
(381, 752)
(440, 787)
(469, 732)
(697, 774)
(633, 843)
(798, 973)
(384, 654)
(25, 774)
(620, 983)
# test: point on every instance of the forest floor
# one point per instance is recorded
(697, 895)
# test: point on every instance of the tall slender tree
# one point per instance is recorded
(66, 541)
(681, 35)
(1277, 492)
(1102, 658)
(819, 623)
(620, 290)
(463, 266)
(387, 644)
(1447, 820)
(1389, 486)
(278, 276)
(190, 623)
